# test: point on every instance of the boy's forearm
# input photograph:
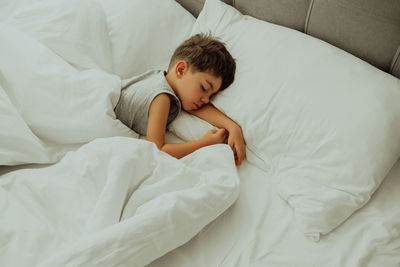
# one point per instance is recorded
(179, 150)
(215, 117)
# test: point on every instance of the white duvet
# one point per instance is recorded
(114, 202)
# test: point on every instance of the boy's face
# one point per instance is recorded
(195, 89)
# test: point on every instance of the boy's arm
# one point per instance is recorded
(215, 117)
(156, 126)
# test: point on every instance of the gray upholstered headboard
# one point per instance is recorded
(368, 29)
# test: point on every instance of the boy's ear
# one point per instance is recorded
(181, 68)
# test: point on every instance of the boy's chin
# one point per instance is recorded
(190, 108)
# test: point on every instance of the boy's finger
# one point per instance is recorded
(240, 155)
(231, 144)
(238, 161)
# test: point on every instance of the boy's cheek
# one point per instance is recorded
(185, 107)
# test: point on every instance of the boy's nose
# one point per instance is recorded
(205, 99)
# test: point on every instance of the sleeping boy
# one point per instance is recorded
(199, 68)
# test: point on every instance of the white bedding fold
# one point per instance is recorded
(56, 105)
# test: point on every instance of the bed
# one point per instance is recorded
(316, 93)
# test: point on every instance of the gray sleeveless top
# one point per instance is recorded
(136, 96)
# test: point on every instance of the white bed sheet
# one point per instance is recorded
(258, 230)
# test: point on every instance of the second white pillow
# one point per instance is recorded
(144, 34)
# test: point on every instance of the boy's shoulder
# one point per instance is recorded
(147, 86)
(138, 93)
(150, 76)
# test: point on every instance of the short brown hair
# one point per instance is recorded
(205, 53)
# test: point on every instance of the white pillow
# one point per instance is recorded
(325, 123)
(188, 127)
(76, 30)
(60, 104)
(145, 33)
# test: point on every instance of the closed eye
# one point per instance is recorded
(202, 88)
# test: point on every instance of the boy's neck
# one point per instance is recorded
(171, 80)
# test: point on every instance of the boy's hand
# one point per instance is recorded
(215, 136)
(235, 139)
(236, 142)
